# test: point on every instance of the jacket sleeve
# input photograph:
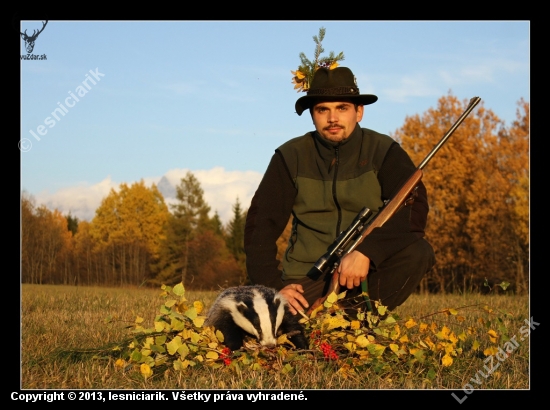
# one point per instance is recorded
(408, 224)
(269, 211)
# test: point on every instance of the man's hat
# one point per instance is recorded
(331, 85)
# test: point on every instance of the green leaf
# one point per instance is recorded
(179, 290)
(504, 285)
(375, 349)
(135, 356)
(191, 313)
(177, 325)
(183, 350)
(174, 345)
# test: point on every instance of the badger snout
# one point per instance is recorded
(269, 342)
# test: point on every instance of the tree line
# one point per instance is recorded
(478, 190)
(135, 239)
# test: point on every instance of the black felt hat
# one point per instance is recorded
(332, 85)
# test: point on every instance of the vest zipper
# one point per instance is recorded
(339, 221)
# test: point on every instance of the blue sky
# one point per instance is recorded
(158, 98)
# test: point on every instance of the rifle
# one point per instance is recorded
(361, 226)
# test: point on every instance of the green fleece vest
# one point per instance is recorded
(334, 182)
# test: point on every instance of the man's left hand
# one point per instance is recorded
(353, 269)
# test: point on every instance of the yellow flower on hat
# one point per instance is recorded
(300, 81)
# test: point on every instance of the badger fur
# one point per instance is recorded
(258, 311)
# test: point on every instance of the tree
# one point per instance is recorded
(128, 228)
(235, 237)
(189, 217)
(469, 191)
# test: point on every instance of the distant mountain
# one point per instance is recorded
(166, 188)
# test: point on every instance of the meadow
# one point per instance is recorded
(67, 334)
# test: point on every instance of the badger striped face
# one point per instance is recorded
(259, 313)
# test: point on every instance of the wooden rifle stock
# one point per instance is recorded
(403, 197)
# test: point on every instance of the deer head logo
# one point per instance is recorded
(29, 40)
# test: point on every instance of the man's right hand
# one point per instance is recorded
(296, 301)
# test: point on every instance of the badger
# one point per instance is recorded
(257, 311)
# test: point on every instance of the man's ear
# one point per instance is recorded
(360, 111)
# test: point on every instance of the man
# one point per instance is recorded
(324, 178)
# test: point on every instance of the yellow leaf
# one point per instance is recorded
(335, 322)
(453, 311)
(404, 339)
(475, 345)
(139, 319)
(212, 355)
(355, 324)
(410, 323)
(394, 347)
(195, 337)
(199, 321)
(120, 363)
(490, 351)
(447, 360)
(199, 306)
(429, 342)
(333, 65)
(462, 336)
(333, 297)
(145, 370)
(453, 338)
(493, 336)
(362, 341)
(423, 327)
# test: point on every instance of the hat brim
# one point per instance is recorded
(307, 101)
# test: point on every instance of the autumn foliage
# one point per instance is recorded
(478, 193)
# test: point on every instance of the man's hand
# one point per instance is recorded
(293, 294)
(353, 269)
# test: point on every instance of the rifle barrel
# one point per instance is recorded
(473, 102)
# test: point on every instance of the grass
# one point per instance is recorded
(62, 324)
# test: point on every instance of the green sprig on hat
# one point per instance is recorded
(304, 74)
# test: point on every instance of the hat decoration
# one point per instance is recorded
(304, 74)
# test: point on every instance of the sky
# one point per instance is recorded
(122, 101)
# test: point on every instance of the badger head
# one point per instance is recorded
(260, 313)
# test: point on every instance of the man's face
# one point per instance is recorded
(335, 121)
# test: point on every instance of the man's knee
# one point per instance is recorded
(394, 280)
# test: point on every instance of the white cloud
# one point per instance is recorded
(81, 200)
(221, 190)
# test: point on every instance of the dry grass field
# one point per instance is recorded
(60, 319)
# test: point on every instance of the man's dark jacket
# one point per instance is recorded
(324, 185)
